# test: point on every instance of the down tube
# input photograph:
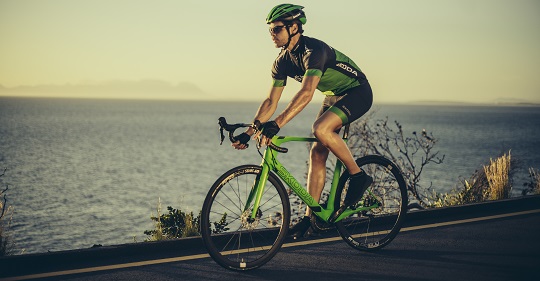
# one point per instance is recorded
(296, 187)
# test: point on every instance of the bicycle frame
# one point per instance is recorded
(271, 163)
(244, 233)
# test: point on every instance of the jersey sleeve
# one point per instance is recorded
(314, 62)
(279, 78)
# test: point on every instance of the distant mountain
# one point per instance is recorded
(145, 89)
(501, 101)
(439, 102)
(514, 101)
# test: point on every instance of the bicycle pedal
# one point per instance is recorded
(309, 232)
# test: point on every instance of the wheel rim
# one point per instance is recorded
(235, 240)
(375, 228)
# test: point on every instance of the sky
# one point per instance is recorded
(479, 51)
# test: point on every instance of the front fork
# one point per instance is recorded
(257, 189)
(256, 192)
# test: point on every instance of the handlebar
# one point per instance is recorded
(232, 127)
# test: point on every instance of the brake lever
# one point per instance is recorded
(230, 129)
(222, 135)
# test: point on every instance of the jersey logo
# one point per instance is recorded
(347, 68)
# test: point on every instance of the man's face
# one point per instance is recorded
(278, 33)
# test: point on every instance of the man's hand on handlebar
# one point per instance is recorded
(262, 133)
(241, 141)
(266, 132)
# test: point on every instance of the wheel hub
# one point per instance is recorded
(248, 222)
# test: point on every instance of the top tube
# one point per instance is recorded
(230, 128)
(278, 140)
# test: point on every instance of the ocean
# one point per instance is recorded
(84, 172)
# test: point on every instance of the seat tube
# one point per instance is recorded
(335, 182)
(337, 173)
(346, 132)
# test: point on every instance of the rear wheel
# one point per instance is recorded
(233, 239)
(372, 230)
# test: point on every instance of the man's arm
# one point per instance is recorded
(297, 104)
(268, 107)
(266, 110)
(299, 101)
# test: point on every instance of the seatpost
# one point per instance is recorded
(346, 132)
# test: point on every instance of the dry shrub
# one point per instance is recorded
(498, 176)
(492, 182)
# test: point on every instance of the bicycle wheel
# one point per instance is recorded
(232, 238)
(372, 230)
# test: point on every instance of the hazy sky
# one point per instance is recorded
(444, 50)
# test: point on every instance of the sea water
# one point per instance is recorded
(82, 172)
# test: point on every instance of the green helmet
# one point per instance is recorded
(286, 12)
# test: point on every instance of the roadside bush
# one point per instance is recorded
(492, 182)
(498, 174)
(412, 152)
(174, 224)
(178, 224)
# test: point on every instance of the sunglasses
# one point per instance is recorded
(276, 29)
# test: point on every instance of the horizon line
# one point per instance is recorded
(217, 99)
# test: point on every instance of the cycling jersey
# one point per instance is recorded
(313, 57)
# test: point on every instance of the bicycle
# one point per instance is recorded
(246, 213)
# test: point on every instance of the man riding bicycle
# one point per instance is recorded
(348, 96)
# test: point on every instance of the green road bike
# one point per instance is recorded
(246, 214)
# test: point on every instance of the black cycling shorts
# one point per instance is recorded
(351, 105)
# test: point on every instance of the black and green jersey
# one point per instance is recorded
(313, 57)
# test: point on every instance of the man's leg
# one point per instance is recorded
(315, 185)
(317, 172)
(324, 129)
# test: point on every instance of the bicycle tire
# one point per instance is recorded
(374, 229)
(232, 240)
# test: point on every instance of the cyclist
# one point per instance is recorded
(348, 96)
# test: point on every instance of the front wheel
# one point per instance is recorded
(234, 239)
(375, 228)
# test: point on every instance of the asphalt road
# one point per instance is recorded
(495, 247)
